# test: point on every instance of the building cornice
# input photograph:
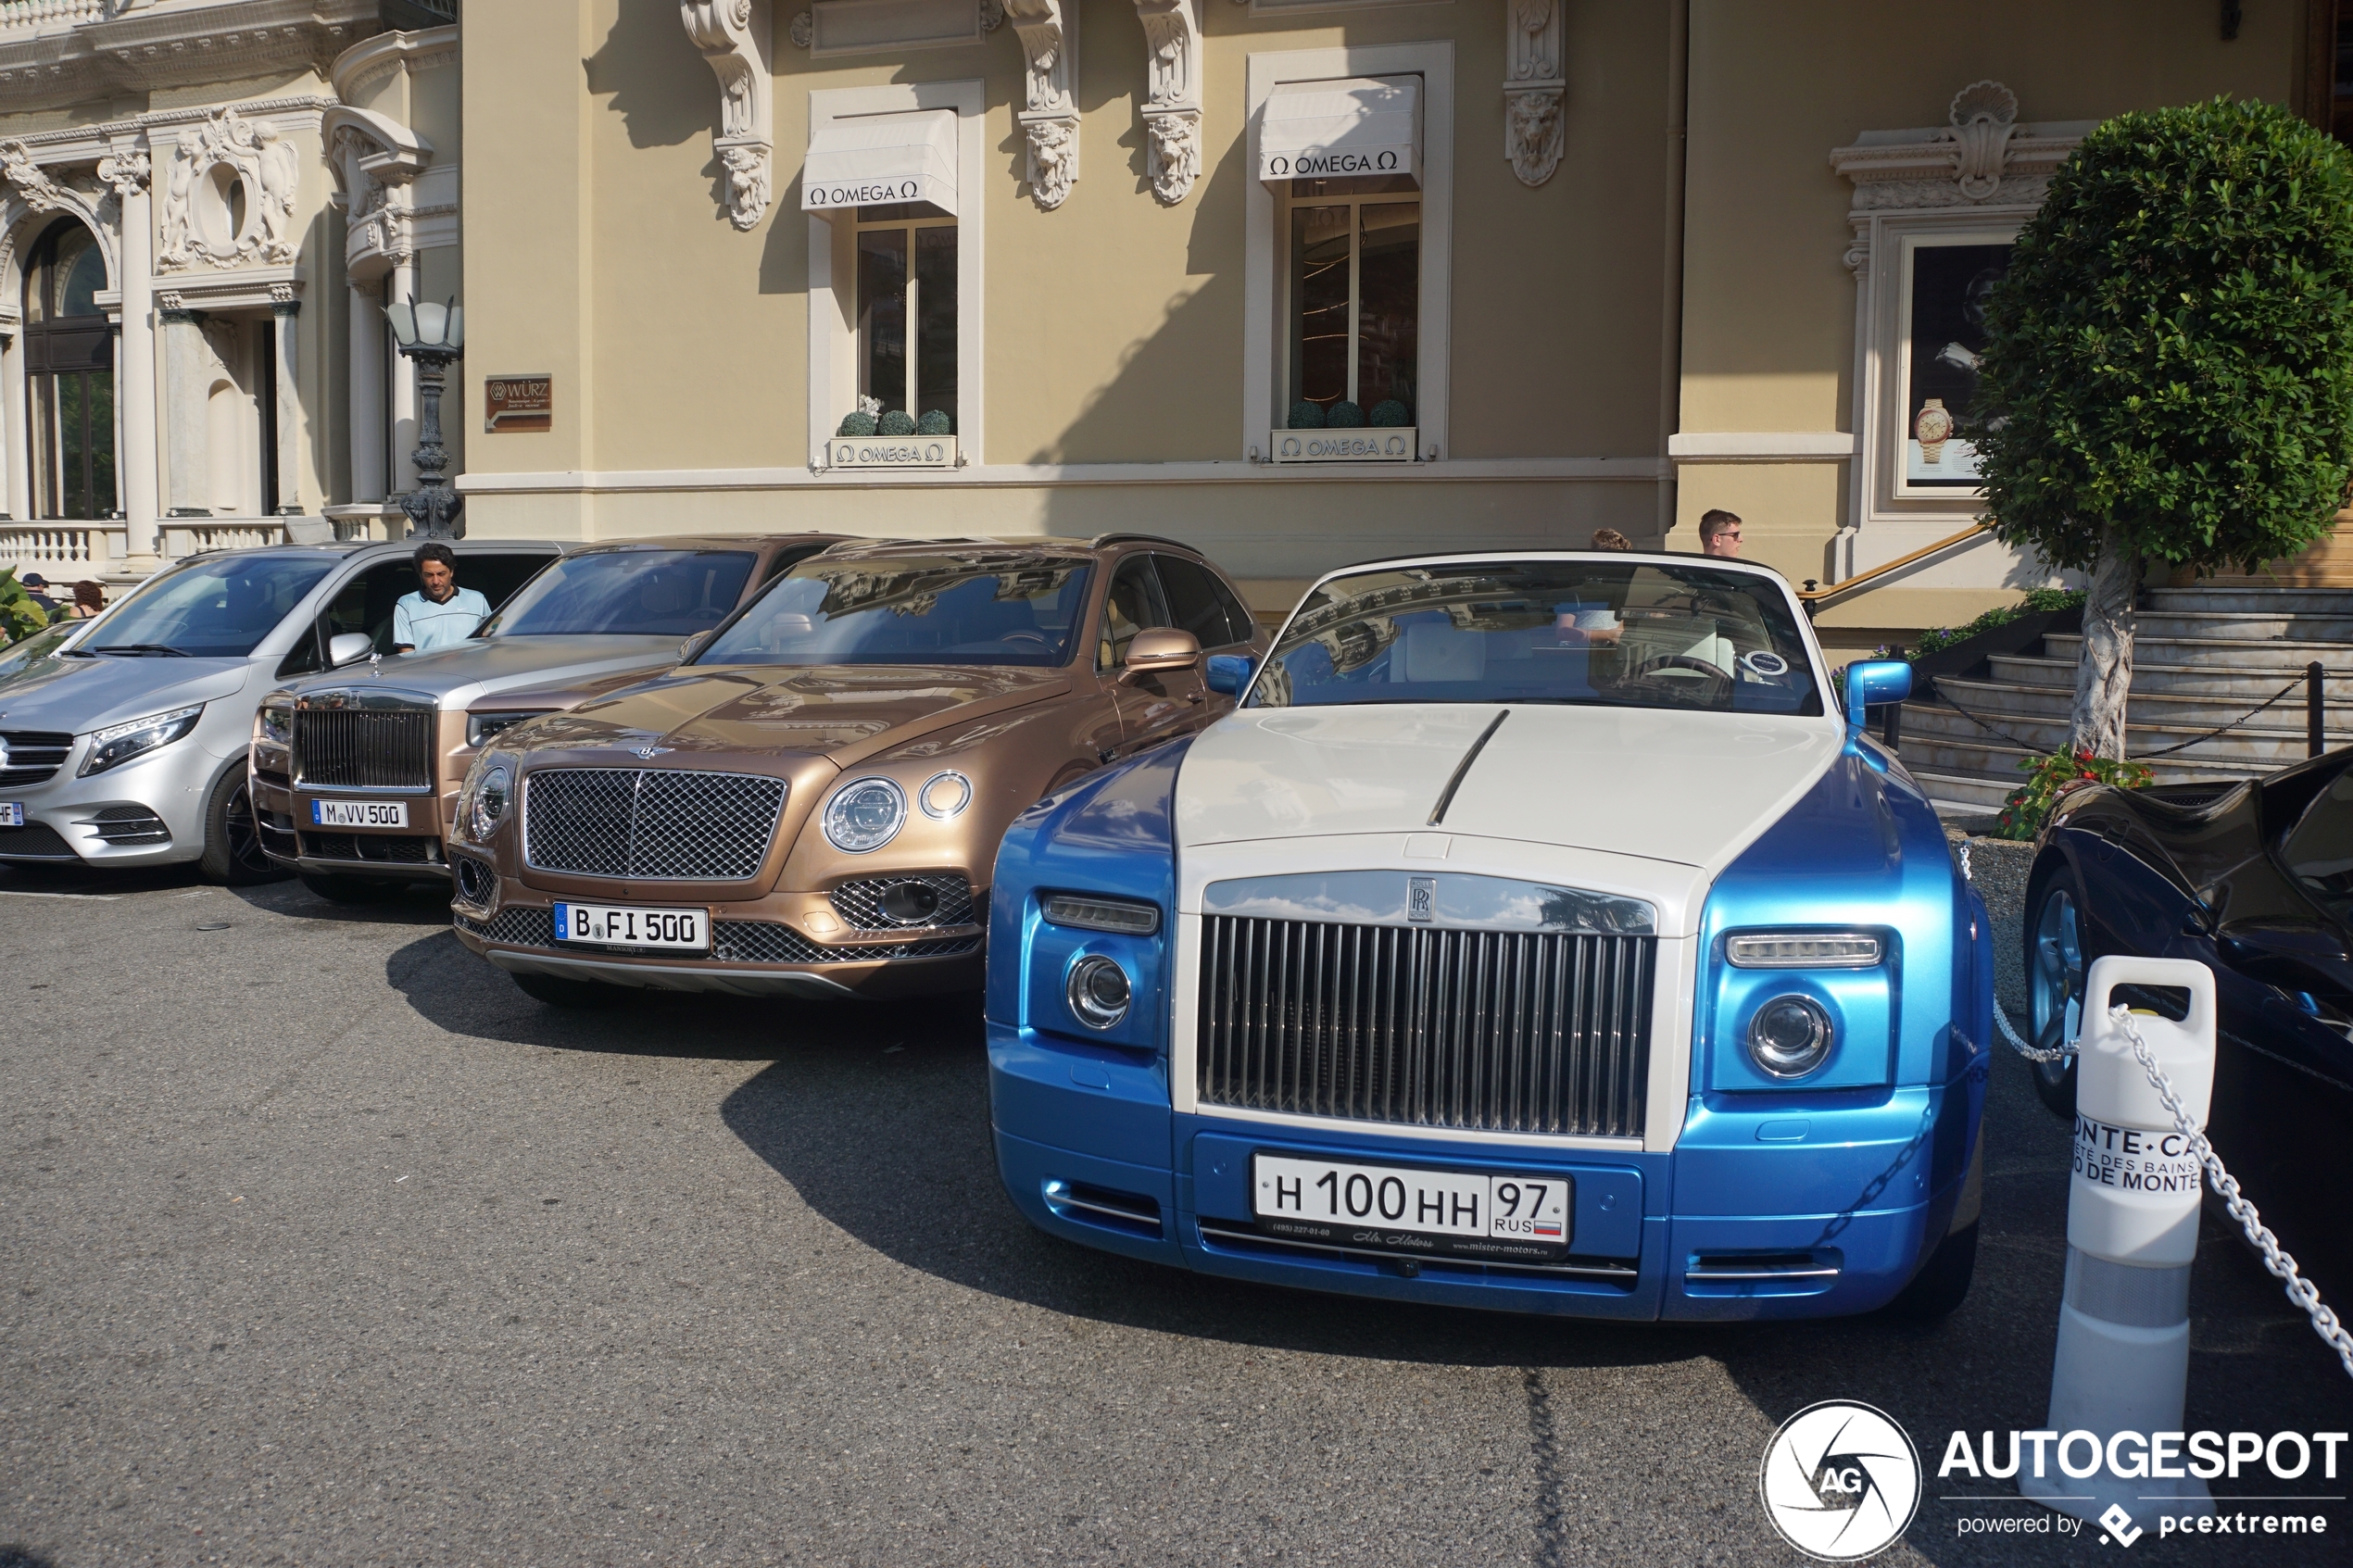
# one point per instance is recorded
(176, 46)
(1000, 476)
(360, 66)
(86, 144)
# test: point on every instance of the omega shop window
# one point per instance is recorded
(906, 310)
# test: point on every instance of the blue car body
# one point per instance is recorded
(1747, 1198)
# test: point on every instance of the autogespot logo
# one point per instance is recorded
(1840, 1481)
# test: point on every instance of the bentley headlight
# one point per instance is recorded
(117, 744)
(1099, 991)
(865, 815)
(277, 719)
(1790, 1036)
(486, 801)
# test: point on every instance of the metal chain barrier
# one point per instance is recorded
(2276, 1259)
(1944, 696)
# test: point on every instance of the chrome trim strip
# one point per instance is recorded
(1625, 1272)
(1451, 901)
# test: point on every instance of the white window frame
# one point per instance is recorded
(1266, 347)
(833, 323)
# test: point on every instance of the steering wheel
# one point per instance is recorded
(1683, 661)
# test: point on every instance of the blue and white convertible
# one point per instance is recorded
(1534, 935)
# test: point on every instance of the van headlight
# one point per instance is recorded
(1790, 1036)
(117, 744)
(864, 814)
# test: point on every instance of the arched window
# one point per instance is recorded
(69, 376)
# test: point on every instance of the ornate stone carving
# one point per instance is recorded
(1535, 129)
(127, 172)
(1172, 103)
(804, 29)
(41, 192)
(1983, 115)
(992, 14)
(262, 161)
(1981, 156)
(1048, 33)
(732, 36)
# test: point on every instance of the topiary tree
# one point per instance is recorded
(2169, 375)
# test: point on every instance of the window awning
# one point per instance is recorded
(1357, 126)
(876, 161)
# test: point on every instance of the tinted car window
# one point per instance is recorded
(1632, 635)
(1134, 605)
(2318, 851)
(641, 592)
(212, 609)
(1014, 609)
(1196, 605)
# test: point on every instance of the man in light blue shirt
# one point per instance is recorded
(441, 615)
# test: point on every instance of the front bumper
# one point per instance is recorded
(1766, 1211)
(149, 811)
(757, 950)
(414, 853)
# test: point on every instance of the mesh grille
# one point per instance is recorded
(34, 755)
(673, 825)
(861, 903)
(363, 748)
(476, 881)
(748, 941)
(1493, 1031)
(380, 848)
(35, 841)
(521, 926)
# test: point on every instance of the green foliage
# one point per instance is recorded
(1344, 415)
(1307, 415)
(896, 422)
(858, 424)
(935, 422)
(21, 616)
(1390, 414)
(2037, 602)
(2029, 806)
(2171, 353)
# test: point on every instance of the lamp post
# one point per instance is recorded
(432, 335)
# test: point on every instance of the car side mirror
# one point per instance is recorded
(346, 647)
(1229, 672)
(1874, 682)
(1162, 647)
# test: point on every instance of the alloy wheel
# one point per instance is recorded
(2056, 986)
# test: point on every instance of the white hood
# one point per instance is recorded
(1690, 788)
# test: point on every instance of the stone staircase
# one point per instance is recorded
(2202, 657)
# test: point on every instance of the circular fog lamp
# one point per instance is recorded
(1098, 991)
(910, 903)
(864, 814)
(1790, 1036)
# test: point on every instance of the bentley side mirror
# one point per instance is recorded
(1229, 672)
(1872, 682)
(349, 648)
(1162, 647)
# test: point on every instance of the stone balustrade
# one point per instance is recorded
(63, 552)
(41, 16)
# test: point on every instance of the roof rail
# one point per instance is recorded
(1815, 598)
(1099, 540)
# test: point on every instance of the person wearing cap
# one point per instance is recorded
(440, 614)
(37, 587)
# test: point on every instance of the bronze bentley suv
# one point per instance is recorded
(354, 770)
(810, 804)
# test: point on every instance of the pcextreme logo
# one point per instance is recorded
(1840, 1481)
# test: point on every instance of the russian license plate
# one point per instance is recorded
(360, 813)
(612, 927)
(11, 813)
(1401, 1208)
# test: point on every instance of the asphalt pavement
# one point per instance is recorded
(321, 1243)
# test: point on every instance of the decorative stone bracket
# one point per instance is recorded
(732, 36)
(1048, 33)
(1534, 131)
(41, 192)
(1172, 106)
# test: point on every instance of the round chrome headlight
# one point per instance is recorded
(864, 814)
(1790, 1036)
(945, 794)
(1098, 991)
(489, 807)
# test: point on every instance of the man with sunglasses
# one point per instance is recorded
(1719, 534)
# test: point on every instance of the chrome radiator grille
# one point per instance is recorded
(1496, 1031)
(650, 823)
(363, 747)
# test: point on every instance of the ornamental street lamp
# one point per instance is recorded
(432, 336)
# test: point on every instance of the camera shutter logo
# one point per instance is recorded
(1841, 1481)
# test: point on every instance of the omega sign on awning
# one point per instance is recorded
(878, 159)
(1325, 130)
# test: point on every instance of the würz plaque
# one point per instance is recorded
(512, 402)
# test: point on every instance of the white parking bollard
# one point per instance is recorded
(2123, 1356)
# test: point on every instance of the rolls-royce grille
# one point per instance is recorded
(1496, 1031)
(893, 903)
(363, 747)
(33, 756)
(672, 825)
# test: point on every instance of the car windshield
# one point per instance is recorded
(1012, 608)
(1616, 634)
(211, 609)
(626, 593)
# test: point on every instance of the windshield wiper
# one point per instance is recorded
(141, 648)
